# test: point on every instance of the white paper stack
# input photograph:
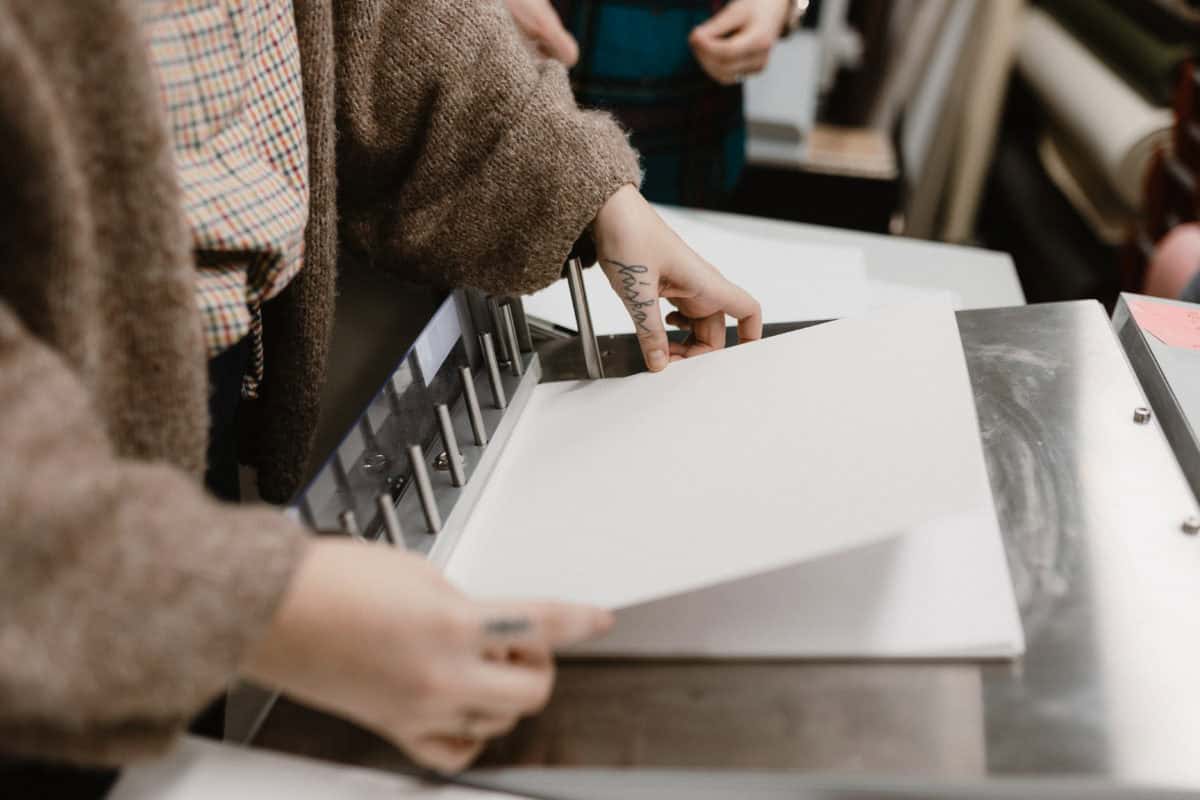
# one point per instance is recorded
(821, 493)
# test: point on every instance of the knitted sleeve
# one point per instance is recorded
(128, 595)
(461, 157)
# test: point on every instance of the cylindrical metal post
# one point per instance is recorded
(349, 524)
(458, 475)
(474, 412)
(391, 521)
(498, 326)
(510, 337)
(583, 319)
(493, 370)
(420, 471)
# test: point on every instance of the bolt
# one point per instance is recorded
(1191, 525)
(442, 462)
(1141, 415)
(373, 463)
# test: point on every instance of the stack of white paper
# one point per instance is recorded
(819, 493)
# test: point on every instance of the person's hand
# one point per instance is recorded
(538, 20)
(737, 40)
(645, 260)
(379, 636)
(1175, 261)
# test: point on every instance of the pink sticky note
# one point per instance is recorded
(1177, 326)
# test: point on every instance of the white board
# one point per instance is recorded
(797, 449)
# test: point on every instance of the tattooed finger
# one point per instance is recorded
(507, 626)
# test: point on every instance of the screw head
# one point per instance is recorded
(1141, 415)
(1191, 525)
(373, 463)
(442, 462)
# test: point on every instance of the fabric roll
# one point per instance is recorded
(1114, 125)
(981, 109)
(1084, 188)
(1149, 63)
(911, 44)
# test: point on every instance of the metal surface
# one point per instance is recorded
(664, 784)
(499, 399)
(1091, 506)
(592, 358)
(474, 412)
(1171, 378)
(510, 339)
(458, 476)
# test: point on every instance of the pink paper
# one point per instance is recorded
(1177, 326)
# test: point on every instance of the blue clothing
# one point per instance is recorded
(635, 61)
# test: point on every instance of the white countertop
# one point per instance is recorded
(981, 278)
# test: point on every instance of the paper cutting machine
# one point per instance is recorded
(1094, 516)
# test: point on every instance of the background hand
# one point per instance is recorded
(379, 636)
(737, 41)
(539, 21)
(645, 260)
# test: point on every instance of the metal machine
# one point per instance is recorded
(1099, 525)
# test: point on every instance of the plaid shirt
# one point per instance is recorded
(229, 72)
(635, 61)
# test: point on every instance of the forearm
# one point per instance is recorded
(128, 595)
(462, 157)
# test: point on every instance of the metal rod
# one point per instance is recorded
(349, 524)
(474, 412)
(583, 319)
(514, 346)
(458, 476)
(524, 335)
(493, 370)
(420, 470)
(391, 521)
(498, 327)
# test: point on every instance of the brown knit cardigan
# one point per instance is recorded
(438, 147)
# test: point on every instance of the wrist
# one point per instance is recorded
(267, 659)
(613, 221)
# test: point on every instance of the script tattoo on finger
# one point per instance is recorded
(636, 298)
(507, 626)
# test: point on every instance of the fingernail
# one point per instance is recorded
(656, 360)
